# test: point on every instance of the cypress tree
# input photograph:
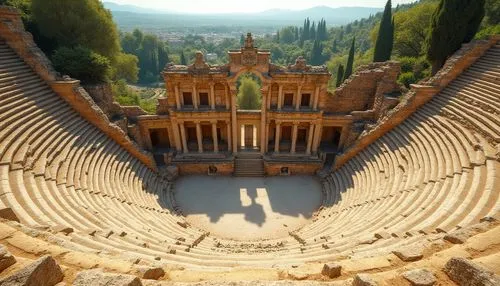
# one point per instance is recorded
(278, 36)
(183, 59)
(385, 38)
(340, 75)
(317, 53)
(350, 61)
(296, 35)
(454, 22)
(312, 33)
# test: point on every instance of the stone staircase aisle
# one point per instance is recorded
(249, 165)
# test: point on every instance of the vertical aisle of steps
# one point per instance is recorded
(249, 165)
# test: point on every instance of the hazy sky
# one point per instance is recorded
(231, 6)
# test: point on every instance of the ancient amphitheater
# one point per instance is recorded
(414, 201)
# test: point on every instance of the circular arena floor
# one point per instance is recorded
(248, 208)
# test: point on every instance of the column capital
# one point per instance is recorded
(213, 121)
(197, 121)
(295, 123)
(278, 122)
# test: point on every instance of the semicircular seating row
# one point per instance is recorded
(436, 171)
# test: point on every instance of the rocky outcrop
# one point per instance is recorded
(420, 277)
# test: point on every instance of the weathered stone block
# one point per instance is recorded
(362, 279)
(420, 277)
(6, 259)
(8, 214)
(147, 272)
(331, 270)
(98, 277)
(465, 272)
(409, 253)
(43, 272)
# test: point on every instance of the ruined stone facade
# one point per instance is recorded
(299, 122)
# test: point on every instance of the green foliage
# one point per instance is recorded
(183, 59)
(406, 79)
(350, 60)
(317, 53)
(340, 75)
(453, 23)
(492, 8)
(126, 67)
(407, 64)
(150, 51)
(78, 23)
(126, 96)
(287, 35)
(385, 38)
(412, 27)
(82, 63)
(249, 97)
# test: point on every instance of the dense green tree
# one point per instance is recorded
(340, 75)
(317, 53)
(287, 35)
(249, 97)
(183, 59)
(492, 10)
(312, 32)
(350, 60)
(453, 23)
(83, 64)
(78, 23)
(385, 38)
(126, 67)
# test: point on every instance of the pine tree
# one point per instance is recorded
(317, 53)
(350, 60)
(454, 22)
(312, 32)
(385, 38)
(340, 75)
(183, 59)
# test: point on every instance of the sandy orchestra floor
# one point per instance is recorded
(248, 208)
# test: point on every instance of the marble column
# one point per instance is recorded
(199, 137)
(177, 97)
(226, 96)
(269, 95)
(280, 96)
(177, 139)
(195, 97)
(263, 115)
(317, 137)
(214, 136)
(266, 140)
(212, 95)
(316, 98)
(183, 137)
(298, 97)
(294, 137)
(234, 121)
(228, 126)
(310, 137)
(277, 137)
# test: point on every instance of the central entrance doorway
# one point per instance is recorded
(248, 137)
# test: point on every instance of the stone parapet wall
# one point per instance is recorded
(194, 168)
(418, 95)
(294, 168)
(13, 32)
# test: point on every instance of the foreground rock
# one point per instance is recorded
(98, 277)
(331, 270)
(43, 272)
(409, 254)
(362, 279)
(420, 277)
(6, 259)
(466, 272)
(147, 272)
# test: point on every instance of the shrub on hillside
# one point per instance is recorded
(83, 64)
(407, 78)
